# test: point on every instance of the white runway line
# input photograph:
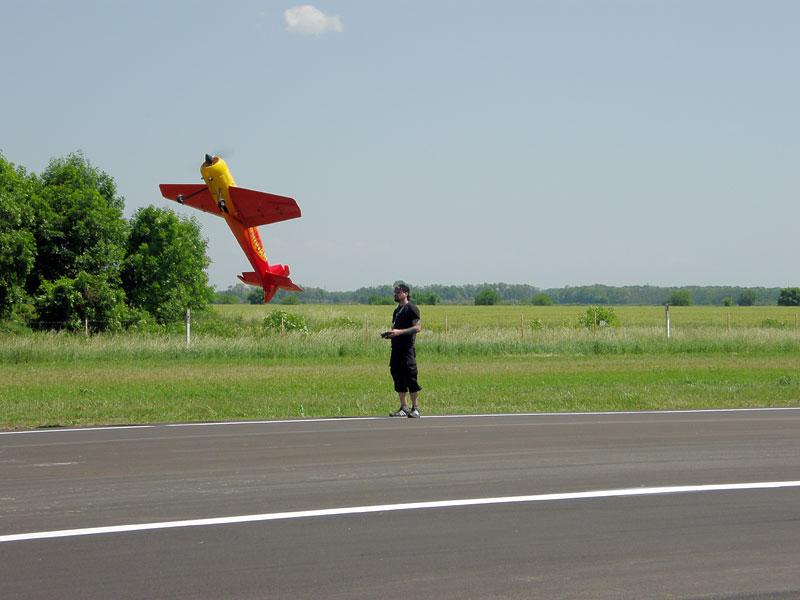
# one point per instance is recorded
(358, 510)
(123, 428)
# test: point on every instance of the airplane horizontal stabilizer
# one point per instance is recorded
(255, 208)
(251, 278)
(195, 195)
(281, 282)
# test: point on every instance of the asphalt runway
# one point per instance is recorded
(702, 504)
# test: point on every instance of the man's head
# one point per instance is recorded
(401, 293)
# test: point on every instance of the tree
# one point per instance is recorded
(68, 301)
(747, 298)
(542, 300)
(428, 298)
(17, 243)
(163, 272)
(679, 298)
(789, 297)
(487, 297)
(78, 223)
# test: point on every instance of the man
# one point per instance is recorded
(403, 362)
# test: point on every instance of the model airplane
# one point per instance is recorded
(244, 210)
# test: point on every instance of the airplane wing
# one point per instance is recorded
(259, 208)
(195, 195)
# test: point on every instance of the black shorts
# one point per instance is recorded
(403, 368)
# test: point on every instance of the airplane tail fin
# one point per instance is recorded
(276, 277)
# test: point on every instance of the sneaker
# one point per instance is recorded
(403, 411)
(414, 414)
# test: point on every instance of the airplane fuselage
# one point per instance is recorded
(219, 181)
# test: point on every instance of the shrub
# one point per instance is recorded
(342, 322)
(378, 300)
(290, 321)
(605, 315)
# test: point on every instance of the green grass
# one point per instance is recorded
(510, 316)
(235, 369)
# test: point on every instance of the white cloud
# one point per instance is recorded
(309, 20)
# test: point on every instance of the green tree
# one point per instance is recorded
(78, 223)
(487, 297)
(789, 297)
(747, 298)
(68, 302)
(163, 272)
(542, 300)
(679, 298)
(17, 242)
(428, 298)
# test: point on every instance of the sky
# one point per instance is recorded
(552, 143)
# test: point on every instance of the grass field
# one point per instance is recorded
(433, 317)
(482, 363)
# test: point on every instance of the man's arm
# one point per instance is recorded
(415, 328)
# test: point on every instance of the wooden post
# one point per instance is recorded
(86, 326)
(666, 307)
(188, 327)
(729, 321)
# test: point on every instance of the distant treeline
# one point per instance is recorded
(524, 294)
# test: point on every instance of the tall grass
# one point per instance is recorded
(334, 343)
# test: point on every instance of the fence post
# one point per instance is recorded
(729, 321)
(86, 326)
(666, 308)
(188, 327)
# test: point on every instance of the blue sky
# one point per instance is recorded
(550, 143)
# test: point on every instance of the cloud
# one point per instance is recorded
(309, 20)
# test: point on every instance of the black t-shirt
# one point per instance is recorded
(403, 317)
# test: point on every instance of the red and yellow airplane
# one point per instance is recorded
(244, 210)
